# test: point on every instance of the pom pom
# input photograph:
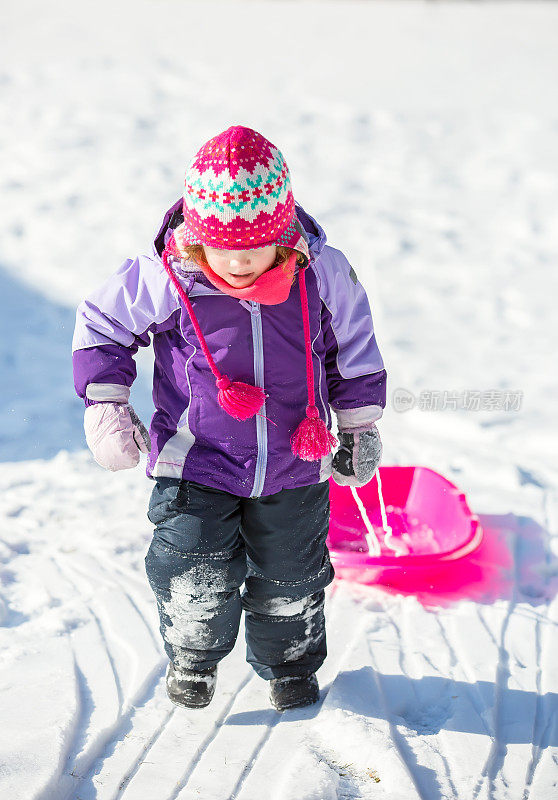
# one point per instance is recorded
(223, 382)
(312, 440)
(240, 400)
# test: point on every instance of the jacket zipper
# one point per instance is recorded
(261, 422)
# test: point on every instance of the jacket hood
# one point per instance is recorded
(316, 234)
(173, 217)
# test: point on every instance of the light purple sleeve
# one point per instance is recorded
(355, 370)
(113, 321)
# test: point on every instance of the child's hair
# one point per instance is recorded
(195, 252)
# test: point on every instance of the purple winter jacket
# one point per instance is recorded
(192, 437)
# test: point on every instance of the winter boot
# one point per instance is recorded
(291, 692)
(190, 688)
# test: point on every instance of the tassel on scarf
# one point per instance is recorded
(240, 400)
(312, 440)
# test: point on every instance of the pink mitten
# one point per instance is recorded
(115, 435)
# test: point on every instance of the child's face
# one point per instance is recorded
(240, 268)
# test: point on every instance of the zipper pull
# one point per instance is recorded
(255, 310)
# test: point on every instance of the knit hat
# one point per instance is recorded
(238, 196)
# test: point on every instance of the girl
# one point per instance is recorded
(258, 327)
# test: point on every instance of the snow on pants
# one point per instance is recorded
(207, 543)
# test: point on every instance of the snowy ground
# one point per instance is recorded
(423, 136)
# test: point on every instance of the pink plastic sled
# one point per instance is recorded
(426, 522)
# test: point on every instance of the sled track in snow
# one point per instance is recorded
(78, 767)
(127, 742)
(241, 758)
(204, 734)
(544, 715)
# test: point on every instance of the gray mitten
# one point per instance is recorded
(358, 456)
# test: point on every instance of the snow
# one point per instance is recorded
(423, 137)
(199, 590)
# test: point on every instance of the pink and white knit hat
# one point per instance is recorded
(238, 196)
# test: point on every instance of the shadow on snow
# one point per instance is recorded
(40, 413)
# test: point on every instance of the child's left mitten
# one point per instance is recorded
(357, 457)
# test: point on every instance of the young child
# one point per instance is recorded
(258, 327)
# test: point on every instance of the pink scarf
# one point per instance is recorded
(271, 288)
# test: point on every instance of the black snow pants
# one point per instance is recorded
(207, 543)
